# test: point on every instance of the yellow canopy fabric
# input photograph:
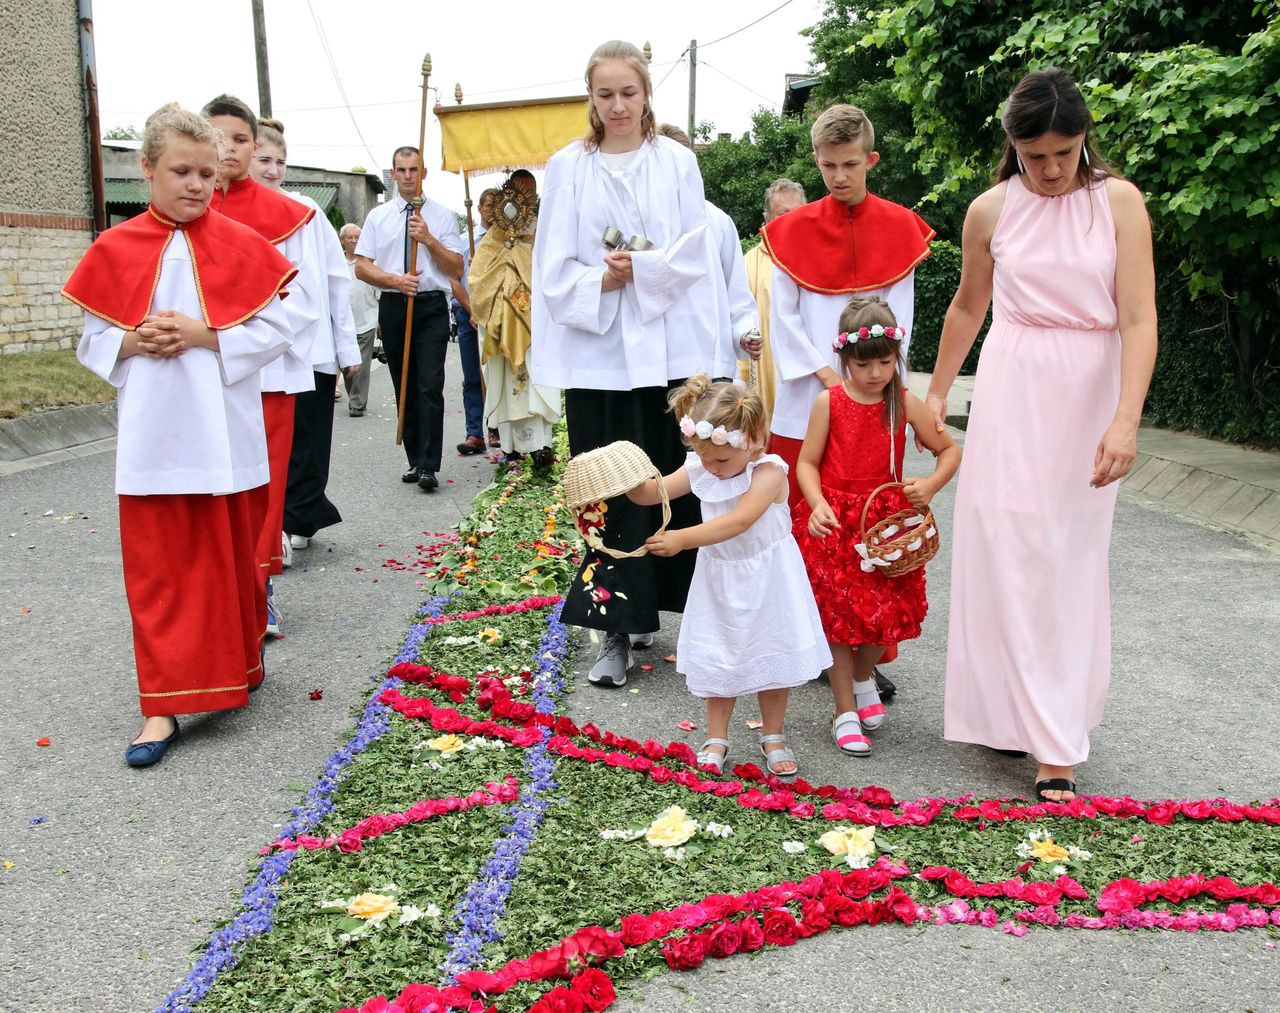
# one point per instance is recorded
(500, 135)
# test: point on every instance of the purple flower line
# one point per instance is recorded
(482, 905)
(260, 896)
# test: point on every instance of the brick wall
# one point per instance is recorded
(37, 255)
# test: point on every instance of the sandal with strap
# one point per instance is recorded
(871, 716)
(774, 757)
(850, 740)
(706, 758)
(1055, 784)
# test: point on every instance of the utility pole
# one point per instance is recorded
(260, 51)
(693, 83)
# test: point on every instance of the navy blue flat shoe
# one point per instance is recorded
(144, 754)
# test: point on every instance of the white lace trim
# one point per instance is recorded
(710, 489)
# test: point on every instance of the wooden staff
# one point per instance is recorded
(413, 256)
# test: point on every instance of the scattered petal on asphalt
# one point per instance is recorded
(46, 741)
(316, 694)
(686, 725)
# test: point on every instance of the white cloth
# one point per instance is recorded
(750, 623)
(663, 326)
(524, 413)
(743, 314)
(382, 240)
(335, 340)
(802, 326)
(192, 423)
(291, 372)
(364, 302)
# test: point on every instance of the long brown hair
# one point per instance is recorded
(1045, 101)
(616, 49)
(868, 311)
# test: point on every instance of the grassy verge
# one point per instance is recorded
(41, 381)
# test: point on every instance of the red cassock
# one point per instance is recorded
(197, 624)
(838, 249)
(275, 218)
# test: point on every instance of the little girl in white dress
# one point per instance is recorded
(750, 625)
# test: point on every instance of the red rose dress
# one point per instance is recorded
(856, 606)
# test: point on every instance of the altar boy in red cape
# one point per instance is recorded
(849, 242)
(182, 311)
(279, 220)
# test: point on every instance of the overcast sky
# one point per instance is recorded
(153, 51)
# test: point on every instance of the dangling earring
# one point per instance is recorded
(1021, 168)
(1084, 153)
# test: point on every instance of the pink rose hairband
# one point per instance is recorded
(718, 435)
(866, 333)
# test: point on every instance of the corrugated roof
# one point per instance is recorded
(136, 191)
(323, 194)
(126, 191)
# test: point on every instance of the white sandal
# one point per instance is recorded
(775, 756)
(871, 716)
(706, 758)
(851, 741)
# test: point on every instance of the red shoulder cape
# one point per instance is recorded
(836, 248)
(237, 272)
(269, 213)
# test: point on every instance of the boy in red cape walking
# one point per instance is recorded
(182, 311)
(279, 220)
(849, 242)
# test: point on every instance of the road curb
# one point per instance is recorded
(44, 432)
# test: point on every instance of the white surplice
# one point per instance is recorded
(743, 313)
(672, 321)
(335, 344)
(802, 327)
(191, 423)
(291, 373)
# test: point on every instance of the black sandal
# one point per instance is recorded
(1054, 784)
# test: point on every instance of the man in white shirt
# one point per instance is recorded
(382, 260)
(364, 311)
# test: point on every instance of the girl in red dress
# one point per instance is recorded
(854, 444)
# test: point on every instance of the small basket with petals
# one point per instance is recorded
(597, 475)
(902, 541)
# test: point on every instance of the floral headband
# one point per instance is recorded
(718, 435)
(865, 333)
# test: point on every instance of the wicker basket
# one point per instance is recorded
(609, 471)
(906, 539)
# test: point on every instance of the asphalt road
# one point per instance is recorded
(124, 876)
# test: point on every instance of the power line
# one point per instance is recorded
(679, 60)
(333, 66)
(772, 102)
(704, 45)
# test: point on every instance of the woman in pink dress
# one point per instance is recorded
(1065, 245)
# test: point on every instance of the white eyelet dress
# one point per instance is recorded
(750, 623)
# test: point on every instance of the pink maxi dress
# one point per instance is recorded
(1029, 646)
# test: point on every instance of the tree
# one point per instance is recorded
(736, 173)
(129, 133)
(1187, 103)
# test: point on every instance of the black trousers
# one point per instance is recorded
(306, 508)
(649, 584)
(423, 395)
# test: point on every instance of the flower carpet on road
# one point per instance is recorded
(472, 848)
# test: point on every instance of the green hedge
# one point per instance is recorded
(1197, 384)
(937, 279)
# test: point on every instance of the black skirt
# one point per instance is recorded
(639, 588)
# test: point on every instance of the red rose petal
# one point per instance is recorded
(670, 658)
(44, 742)
(316, 694)
(646, 668)
(686, 725)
